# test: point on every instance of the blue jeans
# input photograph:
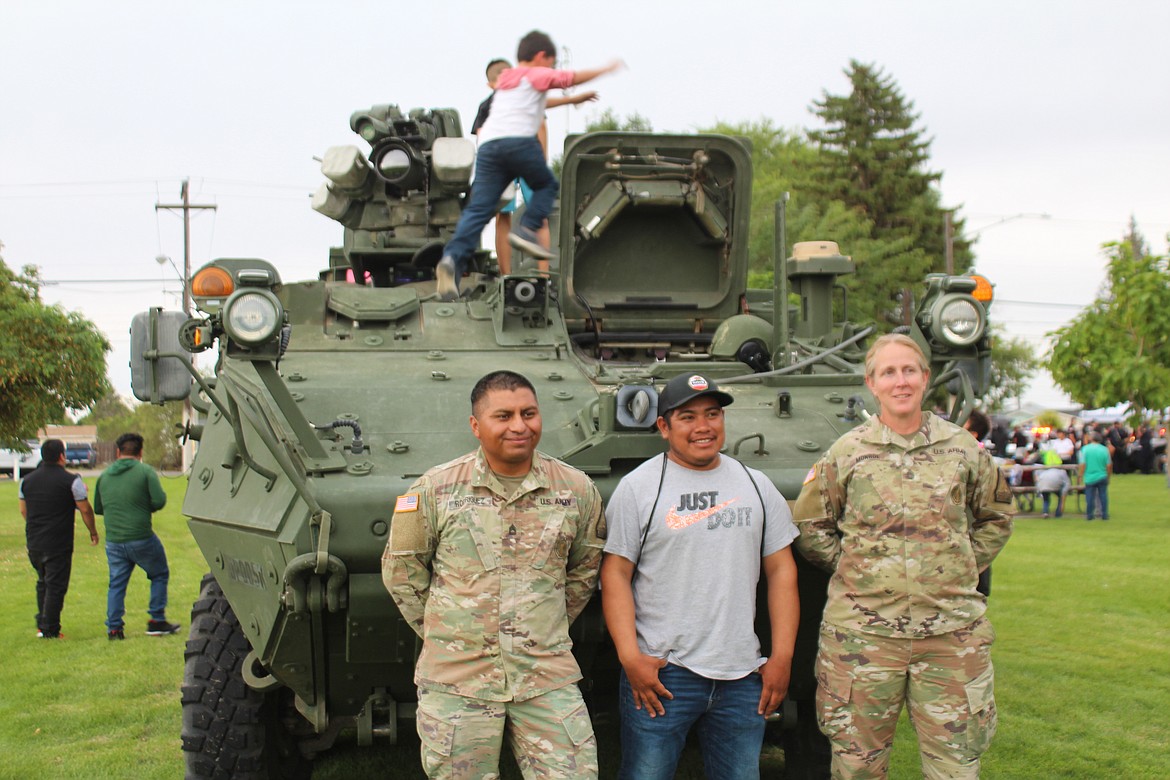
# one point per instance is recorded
(1059, 502)
(497, 164)
(730, 730)
(123, 557)
(1094, 492)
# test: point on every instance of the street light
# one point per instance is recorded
(1012, 218)
(949, 232)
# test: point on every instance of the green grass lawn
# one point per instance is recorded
(1082, 611)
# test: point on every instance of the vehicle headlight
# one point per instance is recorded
(252, 316)
(958, 320)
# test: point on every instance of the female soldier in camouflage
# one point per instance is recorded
(886, 511)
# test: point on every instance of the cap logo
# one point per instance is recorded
(697, 382)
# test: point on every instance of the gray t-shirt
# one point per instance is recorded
(695, 581)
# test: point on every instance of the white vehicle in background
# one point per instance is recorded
(11, 460)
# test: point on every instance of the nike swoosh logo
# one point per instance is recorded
(676, 522)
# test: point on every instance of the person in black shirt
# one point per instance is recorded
(49, 497)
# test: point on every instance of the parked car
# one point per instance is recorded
(27, 460)
(82, 455)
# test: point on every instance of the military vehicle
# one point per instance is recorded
(330, 396)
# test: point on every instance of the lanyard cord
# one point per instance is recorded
(658, 495)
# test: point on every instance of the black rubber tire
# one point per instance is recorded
(807, 755)
(230, 730)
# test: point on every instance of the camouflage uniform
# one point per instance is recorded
(905, 524)
(491, 583)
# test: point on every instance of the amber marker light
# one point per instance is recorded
(212, 282)
(982, 292)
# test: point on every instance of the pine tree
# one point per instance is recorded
(873, 158)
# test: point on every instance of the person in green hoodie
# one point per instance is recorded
(126, 495)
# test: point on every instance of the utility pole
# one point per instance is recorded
(185, 207)
(949, 240)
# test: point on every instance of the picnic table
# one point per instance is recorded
(1025, 493)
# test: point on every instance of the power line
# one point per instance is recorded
(98, 281)
(1043, 303)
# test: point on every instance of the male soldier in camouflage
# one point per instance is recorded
(886, 511)
(490, 558)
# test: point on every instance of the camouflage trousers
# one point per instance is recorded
(551, 736)
(945, 680)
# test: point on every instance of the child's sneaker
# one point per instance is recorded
(43, 635)
(525, 239)
(445, 282)
(161, 628)
(117, 633)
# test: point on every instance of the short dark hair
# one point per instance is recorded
(129, 444)
(979, 424)
(498, 380)
(494, 65)
(52, 450)
(534, 43)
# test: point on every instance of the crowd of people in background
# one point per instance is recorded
(1047, 459)
(1131, 450)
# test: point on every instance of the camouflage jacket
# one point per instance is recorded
(492, 583)
(904, 525)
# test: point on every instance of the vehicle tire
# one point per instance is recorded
(807, 755)
(230, 730)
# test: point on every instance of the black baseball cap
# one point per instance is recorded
(687, 387)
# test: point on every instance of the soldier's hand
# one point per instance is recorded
(775, 672)
(648, 690)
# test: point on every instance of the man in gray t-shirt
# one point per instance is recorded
(689, 534)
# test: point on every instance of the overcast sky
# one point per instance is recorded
(1050, 120)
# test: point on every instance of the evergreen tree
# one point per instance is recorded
(874, 159)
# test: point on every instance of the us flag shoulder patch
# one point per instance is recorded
(810, 476)
(407, 503)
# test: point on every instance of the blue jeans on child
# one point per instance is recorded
(1097, 492)
(731, 731)
(497, 164)
(123, 557)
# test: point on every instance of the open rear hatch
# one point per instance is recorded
(654, 232)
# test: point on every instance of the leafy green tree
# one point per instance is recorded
(157, 424)
(609, 121)
(782, 161)
(51, 360)
(109, 406)
(1049, 418)
(1013, 363)
(1118, 349)
(778, 159)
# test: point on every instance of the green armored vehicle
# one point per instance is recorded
(331, 396)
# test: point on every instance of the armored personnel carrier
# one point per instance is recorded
(330, 396)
